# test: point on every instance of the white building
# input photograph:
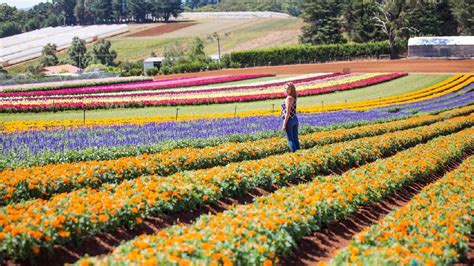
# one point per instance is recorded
(445, 46)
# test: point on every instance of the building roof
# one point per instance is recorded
(154, 59)
(442, 40)
(53, 70)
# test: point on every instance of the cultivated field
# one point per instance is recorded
(235, 35)
(195, 169)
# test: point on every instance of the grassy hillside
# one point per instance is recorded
(237, 34)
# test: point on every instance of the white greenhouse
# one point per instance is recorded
(446, 47)
(22, 47)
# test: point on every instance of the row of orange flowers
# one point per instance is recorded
(433, 229)
(44, 181)
(28, 227)
(255, 234)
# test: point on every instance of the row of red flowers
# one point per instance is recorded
(147, 85)
(198, 101)
(318, 78)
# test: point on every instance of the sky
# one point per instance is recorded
(22, 3)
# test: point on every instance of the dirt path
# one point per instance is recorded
(162, 29)
(321, 245)
(401, 65)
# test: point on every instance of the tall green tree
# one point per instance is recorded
(77, 53)
(324, 23)
(101, 53)
(165, 9)
(118, 10)
(102, 11)
(138, 9)
(463, 10)
(390, 17)
(359, 21)
(448, 24)
(423, 19)
(48, 56)
(66, 8)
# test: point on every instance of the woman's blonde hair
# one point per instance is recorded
(292, 88)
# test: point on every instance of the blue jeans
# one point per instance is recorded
(291, 133)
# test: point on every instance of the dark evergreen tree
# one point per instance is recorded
(102, 11)
(138, 9)
(463, 11)
(324, 23)
(359, 21)
(448, 24)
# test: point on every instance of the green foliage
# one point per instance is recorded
(102, 54)
(152, 71)
(463, 11)
(96, 67)
(180, 60)
(324, 23)
(77, 53)
(292, 7)
(359, 21)
(48, 56)
(9, 29)
(129, 69)
(308, 53)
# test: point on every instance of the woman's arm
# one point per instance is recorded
(288, 103)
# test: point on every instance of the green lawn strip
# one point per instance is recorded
(254, 234)
(398, 86)
(432, 229)
(89, 211)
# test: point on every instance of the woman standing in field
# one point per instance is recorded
(288, 114)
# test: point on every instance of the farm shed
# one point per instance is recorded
(453, 47)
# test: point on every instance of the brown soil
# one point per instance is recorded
(162, 29)
(469, 259)
(365, 66)
(321, 245)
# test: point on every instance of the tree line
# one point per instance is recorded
(341, 21)
(85, 12)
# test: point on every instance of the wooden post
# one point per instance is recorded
(273, 107)
(84, 116)
(322, 105)
(177, 110)
(235, 110)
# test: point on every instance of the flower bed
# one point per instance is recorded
(146, 85)
(44, 181)
(254, 234)
(28, 227)
(432, 229)
(234, 95)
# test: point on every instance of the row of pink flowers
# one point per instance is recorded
(188, 91)
(197, 101)
(147, 85)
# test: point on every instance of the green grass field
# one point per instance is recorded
(396, 87)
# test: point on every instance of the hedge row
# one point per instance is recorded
(309, 53)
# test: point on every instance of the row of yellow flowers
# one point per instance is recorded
(44, 181)
(433, 229)
(255, 234)
(454, 83)
(28, 227)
